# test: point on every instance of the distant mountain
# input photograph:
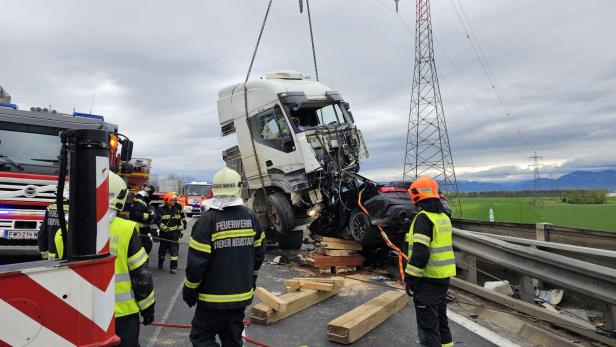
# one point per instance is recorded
(575, 180)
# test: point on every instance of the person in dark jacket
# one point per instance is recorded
(431, 263)
(141, 212)
(48, 228)
(226, 250)
(171, 225)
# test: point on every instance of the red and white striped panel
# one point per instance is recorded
(102, 205)
(70, 305)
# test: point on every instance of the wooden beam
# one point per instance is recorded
(271, 300)
(326, 239)
(326, 287)
(296, 301)
(338, 245)
(338, 252)
(292, 285)
(356, 323)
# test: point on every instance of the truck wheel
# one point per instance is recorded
(291, 239)
(280, 213)
(362, 230)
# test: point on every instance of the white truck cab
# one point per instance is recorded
(298, 142)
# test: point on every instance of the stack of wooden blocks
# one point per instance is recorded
(333, 255)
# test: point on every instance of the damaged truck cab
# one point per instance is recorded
(297, 151)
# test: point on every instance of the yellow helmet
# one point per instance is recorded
(227, 182)
(118, 192)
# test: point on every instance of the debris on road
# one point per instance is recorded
(502, 287)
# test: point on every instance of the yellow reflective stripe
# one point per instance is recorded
(226, 298)
(166, 216)
(256, 272)
(147, 302)
(173, 258)
(191, 285)
(198, 246)
(137, 259)
(260, 240)
(450, 344)
(45, 255)
(146, 216)
(163, 227)
(423, 239)
(52, 256)
(414, 271)
(233, 233)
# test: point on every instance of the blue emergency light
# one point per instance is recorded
(88, 115)
(6, 104)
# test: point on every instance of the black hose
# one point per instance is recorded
(60, 193)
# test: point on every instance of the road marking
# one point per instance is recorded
(166, 314)
(481, 331)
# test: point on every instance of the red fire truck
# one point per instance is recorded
(29, 147)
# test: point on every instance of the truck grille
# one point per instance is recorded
(27, 189)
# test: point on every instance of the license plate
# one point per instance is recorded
(20, 234)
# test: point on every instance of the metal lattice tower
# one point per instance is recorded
(427, 143)
(535, 165)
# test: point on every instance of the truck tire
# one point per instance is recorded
(291, 239)
(362, 230)
(280, 213)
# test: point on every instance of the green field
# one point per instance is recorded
(547, 210)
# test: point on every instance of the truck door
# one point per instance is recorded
(275, 143)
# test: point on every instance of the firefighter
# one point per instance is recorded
(431, 263)
(134, 290)
(141, 213)
(225, 252)
(49, 226)
(171, 224)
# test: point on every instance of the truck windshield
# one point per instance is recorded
(30, 148)
(315, 114)
(197, 189)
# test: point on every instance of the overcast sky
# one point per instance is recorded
(154, 68)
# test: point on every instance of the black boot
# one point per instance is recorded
(173, 266)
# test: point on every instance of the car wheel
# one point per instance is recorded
(362, 230)
(280, 213)
(291, 240)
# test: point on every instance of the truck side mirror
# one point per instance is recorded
(127, 150)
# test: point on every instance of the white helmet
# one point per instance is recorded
(227, 182)
(118, 192)
(142, 193)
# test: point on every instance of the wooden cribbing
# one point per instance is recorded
(325, 287)
(296, 301)
(271, 300)
(356, 323)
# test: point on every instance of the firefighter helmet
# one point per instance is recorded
(169, 197)
(423, 188)
(227, 182)
(142, 193)
(118, 192)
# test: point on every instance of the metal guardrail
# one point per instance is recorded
(576, 275)
(549, 232)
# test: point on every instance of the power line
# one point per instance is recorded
(470, 35)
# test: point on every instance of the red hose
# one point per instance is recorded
(188, 326)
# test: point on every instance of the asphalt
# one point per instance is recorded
(305, 328)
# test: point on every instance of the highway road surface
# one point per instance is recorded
(306, 328)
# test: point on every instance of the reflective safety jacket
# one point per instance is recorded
(140, 213)
(47, 231)
(225, 253)
(441, 263)
(134, 289)
(171, 219)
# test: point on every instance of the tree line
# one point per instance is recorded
(572, 196)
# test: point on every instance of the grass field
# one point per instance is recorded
(548, 210)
